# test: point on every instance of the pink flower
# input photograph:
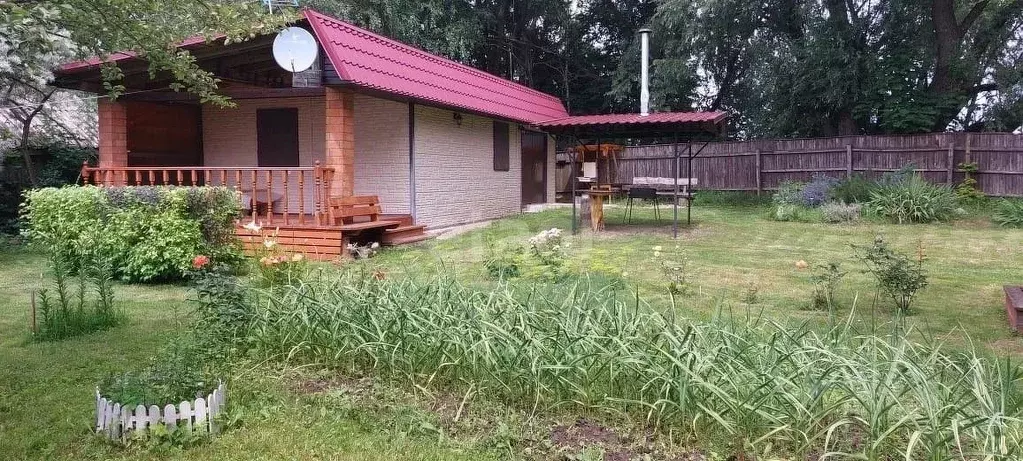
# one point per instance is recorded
(200, 261)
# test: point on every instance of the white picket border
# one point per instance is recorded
(118, 423)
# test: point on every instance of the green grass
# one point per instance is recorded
(731, 247)
(46, 388)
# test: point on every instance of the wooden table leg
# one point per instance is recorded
(597, 212)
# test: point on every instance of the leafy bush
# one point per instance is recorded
(897, 276)
(1009, 213)
(816, 192)
(502, 261)
(854, 189)
(677, 270)
(548, 248)
(144, 233)
(68, 311)
(788, 193)
(840, 212)
(913, 200)
(55, 164)
(825, 279)
(784, 391)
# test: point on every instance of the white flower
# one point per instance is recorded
(269, 243)
(375, 245)
(657, 248)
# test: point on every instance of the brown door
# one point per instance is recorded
(534, 168)
(277, 137)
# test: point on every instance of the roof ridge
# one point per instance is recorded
(337, 23)
(421, 69)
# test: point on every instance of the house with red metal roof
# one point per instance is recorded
(375, 131)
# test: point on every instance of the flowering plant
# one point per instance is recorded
(276, 266)
(548, 247)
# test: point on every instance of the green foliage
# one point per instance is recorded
(967, 191)
(144, 233)
(914, 200)
(676, 270)
(548, 249)
(177, 373)
(1009, 213)
(766, 388)
(789, 204)
(825, 279)
(840, 212)
(58, 165)
(503, 261)
(898, 276)
(69, 310)
(853, 189)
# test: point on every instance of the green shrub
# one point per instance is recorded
(914, 200)
(1009, 213)
(825, 279)
(503, 261)
(144, 233)
(840, 212)
(897, 275)
(730, 199)
(854, 189)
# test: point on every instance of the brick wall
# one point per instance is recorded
(381, 152)
(455, 178)
(113, 134)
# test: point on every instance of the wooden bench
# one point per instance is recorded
(358, 217)
(1014, 306)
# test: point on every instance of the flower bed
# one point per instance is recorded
(120, 422)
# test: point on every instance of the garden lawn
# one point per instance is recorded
(46, 389)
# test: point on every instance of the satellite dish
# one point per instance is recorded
(295, 49)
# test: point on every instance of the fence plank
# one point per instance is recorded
(763, 164)
(170, 417)
(185, 414)
(141, 418)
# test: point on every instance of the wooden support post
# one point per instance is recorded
(760, 183)
(848, 160)
(951, 163)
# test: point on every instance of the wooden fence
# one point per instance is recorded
(118, 422)
(763, 164)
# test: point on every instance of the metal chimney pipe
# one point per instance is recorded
(644, 72)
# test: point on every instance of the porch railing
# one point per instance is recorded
(270, 195)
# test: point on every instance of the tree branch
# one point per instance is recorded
(971, 17)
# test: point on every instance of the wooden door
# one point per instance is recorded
(534, 168)
(277, 137)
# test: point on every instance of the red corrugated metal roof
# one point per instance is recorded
(635, 119)
(92, 62)
(372, 61)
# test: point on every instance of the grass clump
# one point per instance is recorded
(913, 200)
(748, 386)
(1009, 213)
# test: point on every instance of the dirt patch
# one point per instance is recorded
(354, 386)
(570, 440)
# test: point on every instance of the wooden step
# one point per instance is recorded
(406, 239)
(404, 234)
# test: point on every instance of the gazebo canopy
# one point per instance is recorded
(637, 126)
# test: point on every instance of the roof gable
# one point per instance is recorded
(375, 62)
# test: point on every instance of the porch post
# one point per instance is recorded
(113, 134)
(340, 145)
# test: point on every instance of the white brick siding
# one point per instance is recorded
(455, 178)
(381, 152)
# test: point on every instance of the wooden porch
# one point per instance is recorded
(296, 205)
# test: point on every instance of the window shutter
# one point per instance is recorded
(501, 147)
